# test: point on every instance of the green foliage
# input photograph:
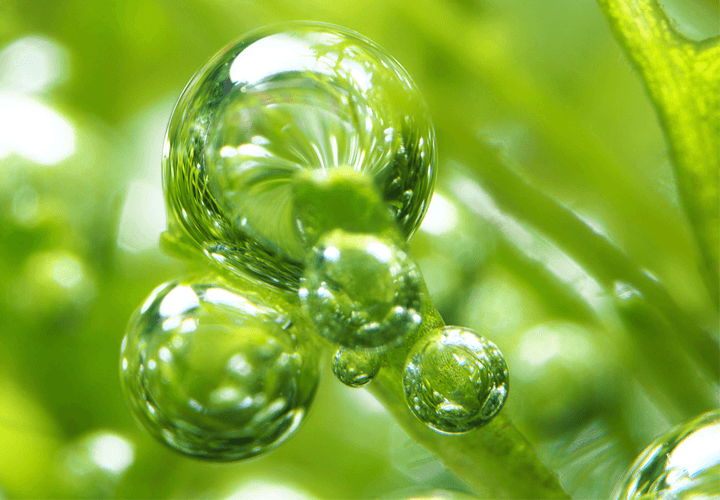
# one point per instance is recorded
(682, 77)
(573, 207)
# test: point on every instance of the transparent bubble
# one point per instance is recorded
(279, 102)
(361, 291)
(455, 380)
(355, 368)
(217, 373)
(682, 464)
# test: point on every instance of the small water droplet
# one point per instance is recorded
(226, 377)
(682, 464)
(455, 380)
(361, 291)
(280, 101)
(355, 368)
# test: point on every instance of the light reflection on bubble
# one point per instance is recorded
(310, 99)
(682, 464)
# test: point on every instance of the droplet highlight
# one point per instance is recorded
(682, 464)
(355, 368)
(215, 372)
(361, 291)
(455, 380)
(279, 102)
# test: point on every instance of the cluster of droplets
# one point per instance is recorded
(299, 161)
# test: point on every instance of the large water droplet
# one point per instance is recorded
(455, 380)
(682, 464)
(279, 102)
(217, 373)
(355, 368)
(361, 291)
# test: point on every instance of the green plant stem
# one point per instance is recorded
(496, 460)
(592, 251)
(682, 78)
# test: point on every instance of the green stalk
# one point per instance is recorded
(496, 460)
(592, 251)
(682, 78)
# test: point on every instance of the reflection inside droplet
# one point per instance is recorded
(213, 380)
(455, 380)
(683, 463)
(311, 98)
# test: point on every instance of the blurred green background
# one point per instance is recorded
(86, 89)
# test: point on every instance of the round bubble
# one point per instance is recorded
(455, 380)
(217, 373)
(361, 291)
(682, 464)
(355, 368)
(279, 102)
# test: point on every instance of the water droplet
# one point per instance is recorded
(218, 373)
(281, 101)
(355, 368)
(682, 464)
(455, 380)
(361, 291)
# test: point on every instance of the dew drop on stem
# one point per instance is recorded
(216, 372)
(455, 380)
(355, 368)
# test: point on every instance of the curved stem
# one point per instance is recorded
(682, 78)
(496, 460)
(592, 251)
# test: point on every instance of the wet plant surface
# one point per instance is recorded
(572, 233)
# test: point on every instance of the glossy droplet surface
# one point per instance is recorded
(361, 291)
(355, 368)
(279, 102)
(217, 373)
(682, 464)
(455, 380)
